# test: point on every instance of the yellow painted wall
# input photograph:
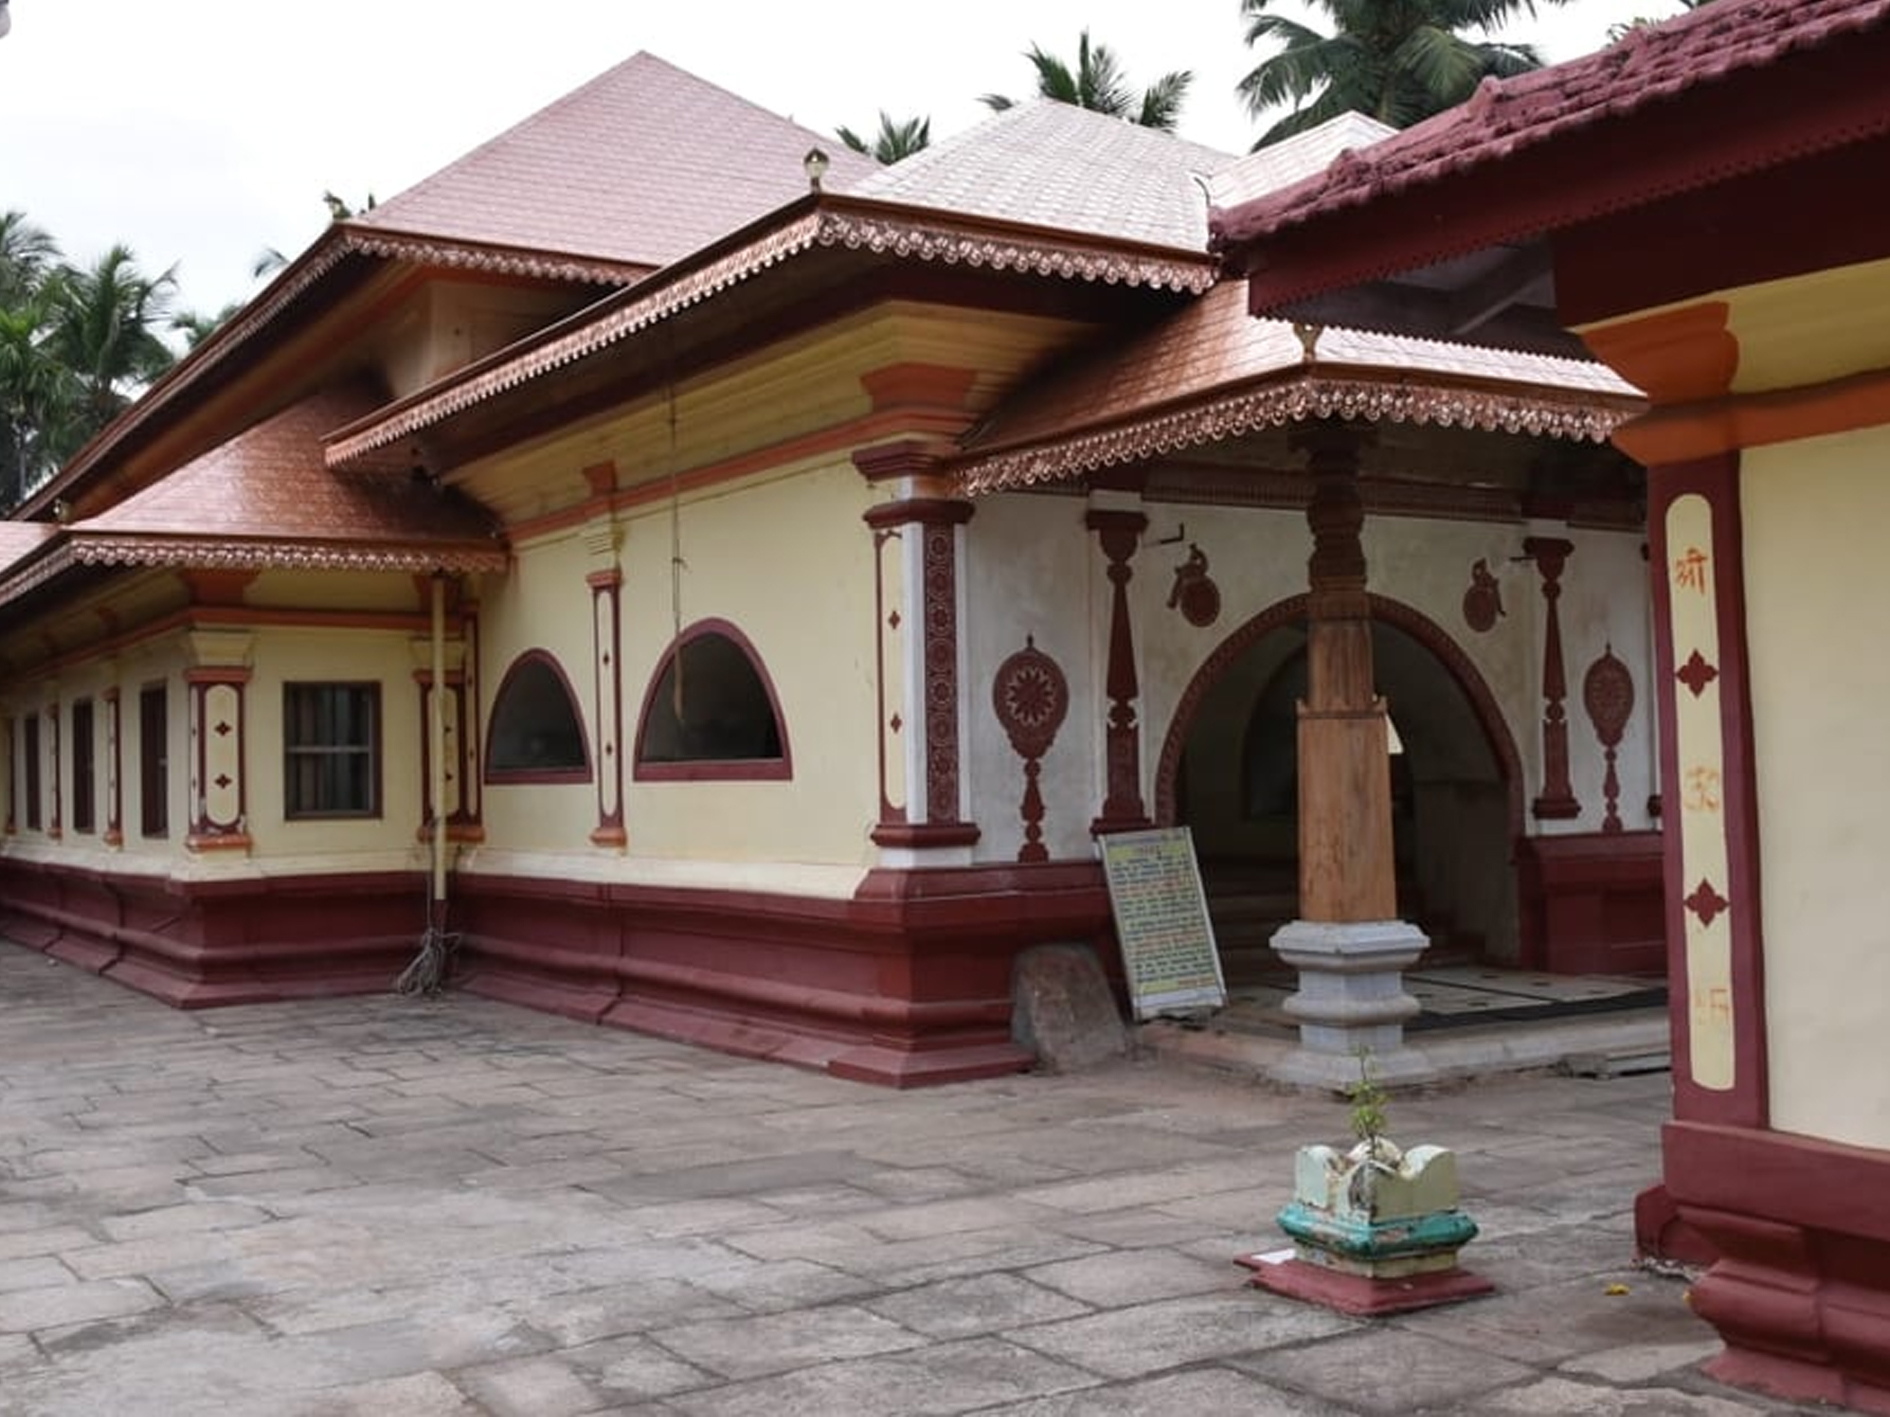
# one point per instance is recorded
(787, 560)
(1814, 514)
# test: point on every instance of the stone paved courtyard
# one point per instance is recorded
(391, 1207)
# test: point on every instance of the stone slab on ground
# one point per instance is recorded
(278, 1216)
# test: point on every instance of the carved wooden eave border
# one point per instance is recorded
(284, 555)
(1274, 405)
(905, 233)
(192, 553)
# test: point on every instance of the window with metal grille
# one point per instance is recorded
(154, 777)
(30, 748)
(84, 767)
(331, 747)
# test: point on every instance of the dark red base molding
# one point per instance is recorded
(907, 983)
(1801, 1292)
(1593, 903)
(1358, 1295)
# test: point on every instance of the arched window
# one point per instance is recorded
(536, 734)
(710, 711)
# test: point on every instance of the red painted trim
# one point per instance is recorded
(926, 511)
(1556, 801)
(532, 776)
(779, 769)
(1120, 534)
(1291, 611)
(920, 835)
(1745, 1103)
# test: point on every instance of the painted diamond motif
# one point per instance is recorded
(1696, 674)
(1706, 902)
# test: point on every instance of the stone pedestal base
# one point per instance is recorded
(1282, 1273)
(1351, 999)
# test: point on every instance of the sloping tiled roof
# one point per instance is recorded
(1213, 371)
(18, 540)
(1508, 118)
(1051, 164)
(643, 164)
(266, 499)
(1294, 159)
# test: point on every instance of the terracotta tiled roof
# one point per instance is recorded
(643, 164)
(1652, 66)
(1054, 165)
(1213, 371)
(265, 498)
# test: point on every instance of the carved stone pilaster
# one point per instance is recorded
(216, 683)
(919, 695)
(1119, 533)
(606, 639)
(114, 771)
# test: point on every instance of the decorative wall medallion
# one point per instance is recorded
(1031, 696)
(1483, 602)
(1608, 695)
(1194, 593)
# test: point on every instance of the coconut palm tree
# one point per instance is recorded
(1098, 83)
(895, 139)
(104, 328)
(27, 255)
(1398, 61)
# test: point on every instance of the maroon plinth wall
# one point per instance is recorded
(906, 983)
(197, 944)
(1801, 1292)
(1593, 903)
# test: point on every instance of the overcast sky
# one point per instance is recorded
(200, 132)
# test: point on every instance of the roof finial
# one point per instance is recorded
(815, 165)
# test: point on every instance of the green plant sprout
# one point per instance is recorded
(1368, 1101)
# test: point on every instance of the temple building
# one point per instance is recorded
(1705, 197)
(729, 588)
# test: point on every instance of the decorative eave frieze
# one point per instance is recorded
(263, 555)
(1301, 399)
(906, 233)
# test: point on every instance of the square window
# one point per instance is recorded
(331, 750)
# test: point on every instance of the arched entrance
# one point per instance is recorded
(1228, 770)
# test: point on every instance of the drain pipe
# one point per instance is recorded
(436, 755)
(426, 975)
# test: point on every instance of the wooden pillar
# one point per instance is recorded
(1348, 945)
(1119, 533)
(1347, 871)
